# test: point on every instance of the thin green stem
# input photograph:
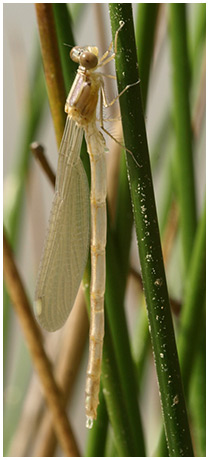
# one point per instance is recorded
(141, 343)
(145, 32)
(63, 23)
(146, 20)
(114, 297)
(197, 36)
(143, 203)
(193, 304)
(182, 118)
(192, 315)
(197, 395)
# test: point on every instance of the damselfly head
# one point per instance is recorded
(85, 56)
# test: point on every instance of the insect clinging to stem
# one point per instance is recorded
(66, 244)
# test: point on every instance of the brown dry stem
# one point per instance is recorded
(38, 152)
(75, 335)
(41, 362)
(52, 66)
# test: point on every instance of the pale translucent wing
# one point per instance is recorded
(67, 241)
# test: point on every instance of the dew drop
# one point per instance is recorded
(89, 422)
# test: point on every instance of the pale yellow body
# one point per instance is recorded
(81, 107)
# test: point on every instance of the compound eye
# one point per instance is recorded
(88, 60)
(75, 54)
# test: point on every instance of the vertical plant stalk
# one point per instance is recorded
(182, 118)
(39, 357)
(114, 301)
(144, 209)
(194, 303)
(197, 394)
(65, 37)
(145, 32)
(52, 66)
(38, 153)
(146, 26)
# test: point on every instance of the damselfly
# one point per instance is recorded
(67, 241)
